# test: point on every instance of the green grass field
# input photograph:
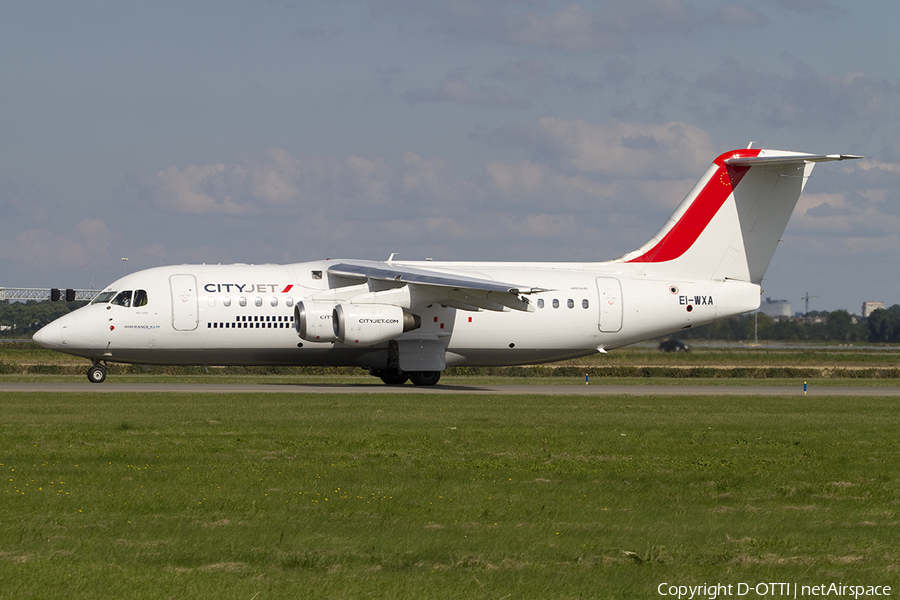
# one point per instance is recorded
(428, 496)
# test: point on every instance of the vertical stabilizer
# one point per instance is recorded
(730, 223)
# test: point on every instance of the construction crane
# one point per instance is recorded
(807, 297)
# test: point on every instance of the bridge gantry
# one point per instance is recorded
(39, 294)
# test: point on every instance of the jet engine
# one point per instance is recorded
(370, 324)
(313, 321)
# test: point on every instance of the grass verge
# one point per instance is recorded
(423, 496)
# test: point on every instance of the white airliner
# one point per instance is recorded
(407, 320)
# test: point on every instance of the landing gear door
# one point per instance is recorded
(422, 354)
(609, 291)
(184, 302)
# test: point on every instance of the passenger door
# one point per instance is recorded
(185, 307)
(609, 291)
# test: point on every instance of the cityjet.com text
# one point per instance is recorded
(771, 590)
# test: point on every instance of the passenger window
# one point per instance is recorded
(555, 303)
(289, 302)
(273, 301)
(123, 299)
(226, 301)
(257, 301)
(570, 303)
(140, 298)
(540, 303)
(585, 303)
(242, 301)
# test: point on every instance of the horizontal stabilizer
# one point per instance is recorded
(788, 159)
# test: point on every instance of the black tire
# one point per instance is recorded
(393, 376)
(97, 374)
(425, 377)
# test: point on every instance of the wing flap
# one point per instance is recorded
(459, 291)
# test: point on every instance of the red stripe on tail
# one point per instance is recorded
(701, 211)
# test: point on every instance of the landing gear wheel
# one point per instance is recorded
(425, 377)
(394, 376)
(97, 374)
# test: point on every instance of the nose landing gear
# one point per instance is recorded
(97, 373)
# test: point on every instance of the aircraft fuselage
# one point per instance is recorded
(245, 315)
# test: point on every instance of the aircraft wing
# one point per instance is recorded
(450, 289)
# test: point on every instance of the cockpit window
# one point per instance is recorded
(126, 298)
(103, 297)
(123, 299)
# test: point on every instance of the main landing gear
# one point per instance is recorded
(97, 373)
(425, 377)
(398, 377)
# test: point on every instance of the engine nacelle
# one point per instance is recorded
(370, 324)
(313, 321)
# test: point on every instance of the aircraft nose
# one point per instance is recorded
(49, 336)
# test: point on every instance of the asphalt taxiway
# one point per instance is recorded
(449, 388)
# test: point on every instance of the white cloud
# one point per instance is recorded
(572, 28)
(609, 26)
(530, 183)
(857, 220)
(426, 176)
(573, 159)
(268, 183)
(589, 192)
(538, 76)
(802, 98)
(456, 89)
(620, 149)
(736, 15)
(582, 178)
(85, 243)
(806, 6)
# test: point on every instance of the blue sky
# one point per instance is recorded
(280, 131)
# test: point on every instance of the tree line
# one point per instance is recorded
(20, 319)
(882, 326)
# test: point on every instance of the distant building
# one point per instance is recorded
(869, 307)
(775, 308)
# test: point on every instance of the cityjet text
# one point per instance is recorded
(247, 288)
